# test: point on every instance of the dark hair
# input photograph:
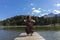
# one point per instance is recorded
(28, 18)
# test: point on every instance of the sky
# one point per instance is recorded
(11, 8)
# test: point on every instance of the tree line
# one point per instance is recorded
(19, 20)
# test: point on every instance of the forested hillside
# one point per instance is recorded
(19, 20)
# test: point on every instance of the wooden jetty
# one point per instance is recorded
(35, 36)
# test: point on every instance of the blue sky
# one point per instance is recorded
(10, 8)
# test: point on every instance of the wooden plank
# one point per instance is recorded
(35, 36)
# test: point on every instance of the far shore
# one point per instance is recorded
(25, 26)
(37, 27)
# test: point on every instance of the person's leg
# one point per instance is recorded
(26, 30)
(31, 31)
(31, 34)
(27, 33)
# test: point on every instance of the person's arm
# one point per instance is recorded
(33, 20)
(24, 20)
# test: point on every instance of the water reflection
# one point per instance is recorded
(11, 34)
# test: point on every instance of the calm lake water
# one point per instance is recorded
(11, 34)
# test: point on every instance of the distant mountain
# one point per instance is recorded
(52, 15)
(58, 14)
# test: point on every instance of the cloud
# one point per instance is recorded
(56, 11)
(49, 10)
(41, 15)
(57, 5)
(36, 11)
(31, 4)
(43, 10)
(39, 8)
(33, 8)
(44, 14)
(40, 12)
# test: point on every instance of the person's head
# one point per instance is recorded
(28, 18)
